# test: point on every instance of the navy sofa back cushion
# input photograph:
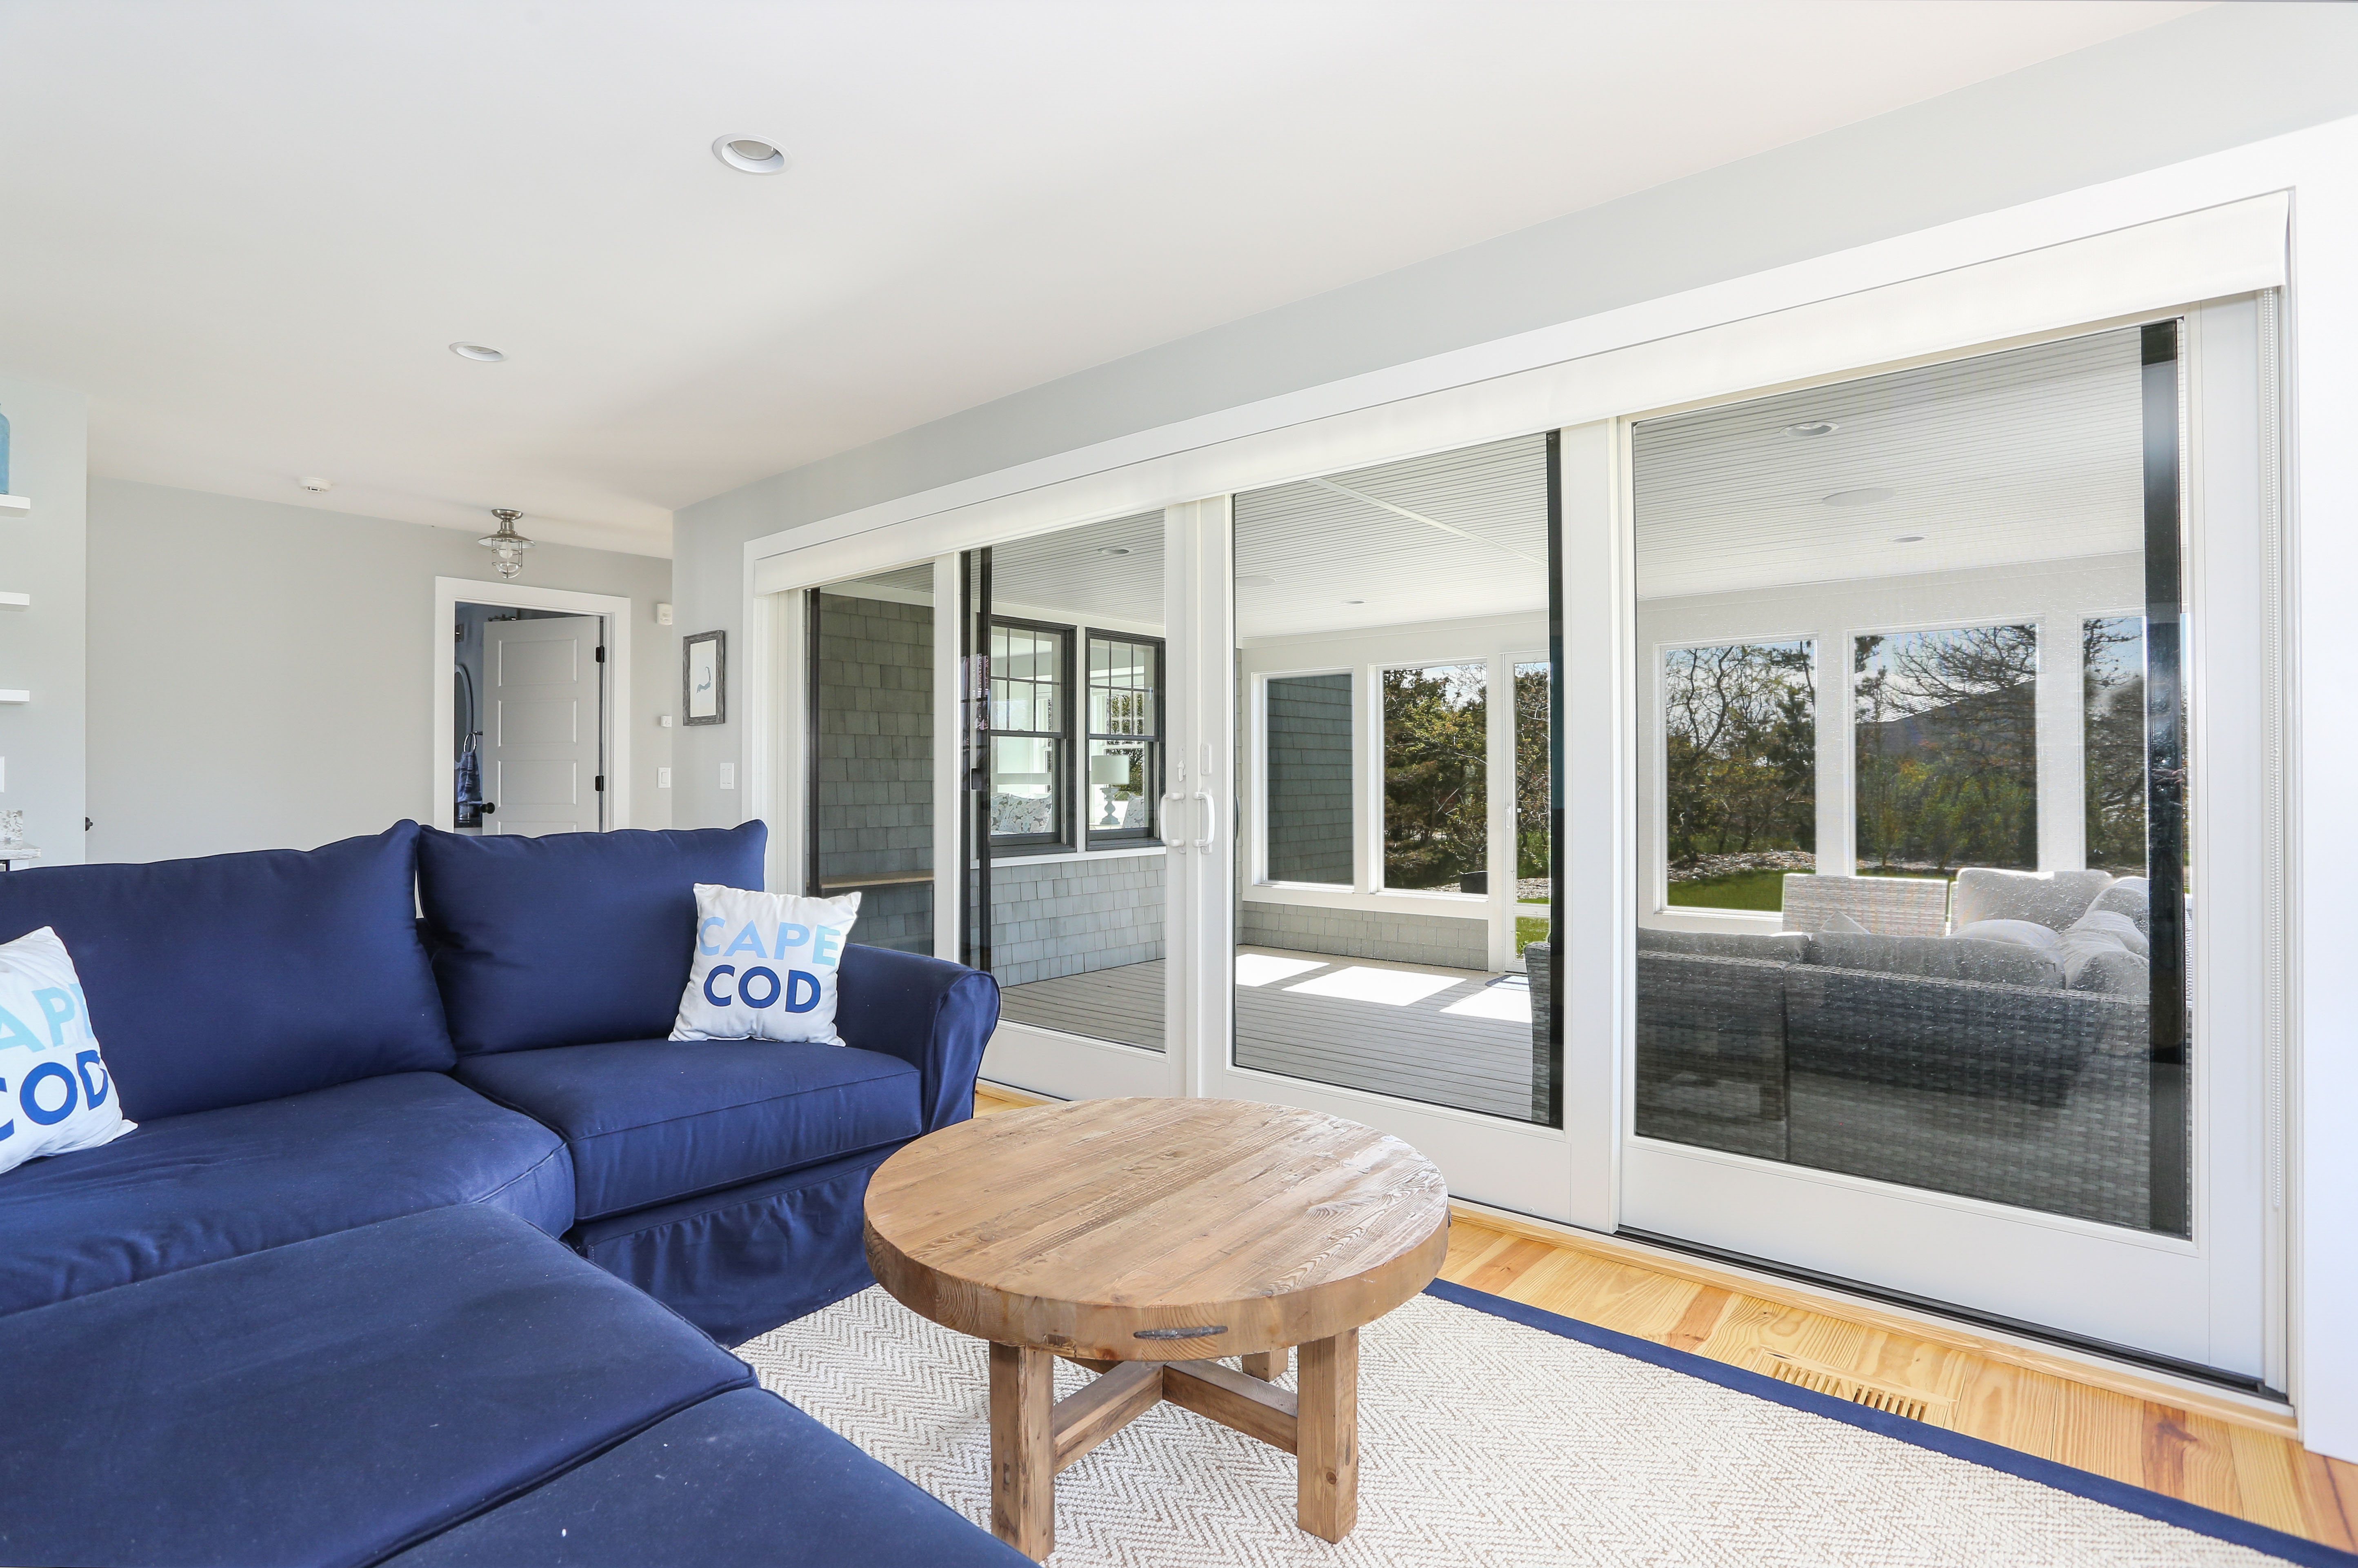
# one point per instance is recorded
(240, 977)
(573, 939)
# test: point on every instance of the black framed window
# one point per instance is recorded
(1124, 736)
(1031, 730)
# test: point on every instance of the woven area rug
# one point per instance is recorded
(1496, 1433)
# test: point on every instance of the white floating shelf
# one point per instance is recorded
(15, 601)
(18, 504)
(15, 697)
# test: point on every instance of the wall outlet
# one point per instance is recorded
(663, 720)
(663, 615)
(728, 775)
(663, 778)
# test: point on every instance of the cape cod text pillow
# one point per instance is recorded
(764, 966)
(55, 1092)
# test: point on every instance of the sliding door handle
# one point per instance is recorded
(1211, 822)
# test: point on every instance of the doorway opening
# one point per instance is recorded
(532, 700)
(529, 716)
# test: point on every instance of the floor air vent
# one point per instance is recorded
(1913, 1403)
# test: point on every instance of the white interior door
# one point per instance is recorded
(543, 704)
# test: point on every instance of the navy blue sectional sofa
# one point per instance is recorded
(408, 1257)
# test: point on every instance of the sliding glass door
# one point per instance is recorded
(1393, 863)
(1791, 828)
(1063, 682)
(1914, 905)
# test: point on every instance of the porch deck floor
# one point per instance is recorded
(1419, 1032)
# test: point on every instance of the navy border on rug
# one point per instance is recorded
(1957, 1445)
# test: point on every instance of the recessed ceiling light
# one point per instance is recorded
(314, 484)
(1115, 550)
(749, 155)
(1354, 601)
(1908, 539)
(477, 352)
(1868, 496)
(1812, 428)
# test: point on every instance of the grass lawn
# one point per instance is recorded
(1528, 930)
(1742, 890)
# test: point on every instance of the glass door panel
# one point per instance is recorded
(1392, 856)
(1913, 902)
(872, 756)
(1067, 885)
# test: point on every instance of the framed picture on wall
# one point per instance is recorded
(704, 678)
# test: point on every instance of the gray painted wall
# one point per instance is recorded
(41, 649)
(2216, 79)
(259, 674)
(1070, 917)
(1454, 942)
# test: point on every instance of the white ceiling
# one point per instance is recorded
(2032, 455)
(248, 230)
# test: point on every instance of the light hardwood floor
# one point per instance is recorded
(2201, 1450)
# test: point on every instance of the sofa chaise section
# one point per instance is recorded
(747, 1478)
(330, 1402)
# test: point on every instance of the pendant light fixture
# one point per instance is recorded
(507, 544)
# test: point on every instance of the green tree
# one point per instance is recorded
(1437, 749)
(1947, 747)
(1740, 742)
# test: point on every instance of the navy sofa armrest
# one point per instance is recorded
(930, 1012)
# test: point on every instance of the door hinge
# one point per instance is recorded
(600, 785)
(601, 655)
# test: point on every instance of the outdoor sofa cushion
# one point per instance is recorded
(187, 1190)
(713, 1479)
(330, 1402)
(2053, 899)
(572, 938)
(650, 1121)
(232, 979)
(1940, 957)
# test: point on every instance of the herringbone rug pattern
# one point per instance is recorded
(1482, 1442)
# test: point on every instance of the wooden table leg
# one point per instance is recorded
(1269, 1366)
(1327, 1450)
(1024, 1449)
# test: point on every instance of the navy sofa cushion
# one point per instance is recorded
(711, 1486)
(930, 1012)
(241, 978)
(185, 1190)
(650, 1121)
(741, 1262)
(332, 1401)
(571, 938)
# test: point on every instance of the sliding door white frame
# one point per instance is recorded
(1960, 288)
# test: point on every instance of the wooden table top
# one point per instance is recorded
(1156, 1229)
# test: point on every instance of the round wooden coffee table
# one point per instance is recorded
(1146, 1239)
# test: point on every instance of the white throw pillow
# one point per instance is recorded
(765, 966)
(56, 1094)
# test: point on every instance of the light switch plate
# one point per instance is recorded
(663, 615)
(663, 778)
(728, 775)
